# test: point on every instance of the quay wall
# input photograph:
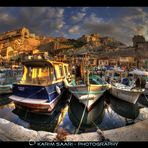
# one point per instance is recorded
(13, 132)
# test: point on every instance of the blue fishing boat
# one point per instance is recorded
(41, 86)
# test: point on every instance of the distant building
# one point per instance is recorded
(14, 34)
(90, 38)
(138, 39)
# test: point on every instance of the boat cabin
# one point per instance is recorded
(43, 72)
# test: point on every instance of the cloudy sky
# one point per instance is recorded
(120, 23)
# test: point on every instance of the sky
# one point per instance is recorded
(121, 23)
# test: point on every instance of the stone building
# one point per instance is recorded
(103, 61)
(90, 38)
(138, 39)
(14, 34)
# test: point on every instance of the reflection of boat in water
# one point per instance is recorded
(41, 86)
(40, 121)
(88, 118)
(125, 93)
(4, 100)
(7, 78)
(143, 100)
(123, 108)
(86, 105)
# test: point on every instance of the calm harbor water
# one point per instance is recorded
(117, 113)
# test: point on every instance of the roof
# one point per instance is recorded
(41, 63)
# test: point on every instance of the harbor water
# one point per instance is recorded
(117, 113)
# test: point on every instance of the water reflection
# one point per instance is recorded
(4, 100)
(125, 109)
(42, 121)
(83, 118)
(143, 100)
(117, 113)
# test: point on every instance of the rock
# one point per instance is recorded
(46, 136)
(84, 137)
(12, 132)
(15, 132)
(134, 132)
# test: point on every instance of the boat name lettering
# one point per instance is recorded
(21, 88)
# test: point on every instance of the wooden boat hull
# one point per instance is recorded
(35, 106)
(125, 95)
(87, 95)
(37, 98)
(92, 117)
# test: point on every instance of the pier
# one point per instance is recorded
(13, 132)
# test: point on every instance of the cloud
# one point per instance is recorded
(78, 17)
(93, 19)
(122, 24)
(40, 20)
(131, 21)
(135, 20)
(75, 29)
(7, 21)
(84, 9)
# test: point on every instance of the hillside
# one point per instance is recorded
(86, 43)
(20, 41)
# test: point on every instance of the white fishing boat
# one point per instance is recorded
(87, 104)
(88, 93)
(126, 93)
(140, 74)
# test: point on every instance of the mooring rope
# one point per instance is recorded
(100, 132)
(82, 117)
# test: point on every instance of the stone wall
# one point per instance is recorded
(12, 132)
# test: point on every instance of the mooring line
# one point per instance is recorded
(77, 130)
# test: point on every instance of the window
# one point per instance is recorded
(66, 70)
(61, 70)
(39, 75)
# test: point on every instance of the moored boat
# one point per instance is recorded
(41, 86)
(142, 75)
(86, 106)
(83, 118)
(125, 93)
(7, 77)
(88, 93)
